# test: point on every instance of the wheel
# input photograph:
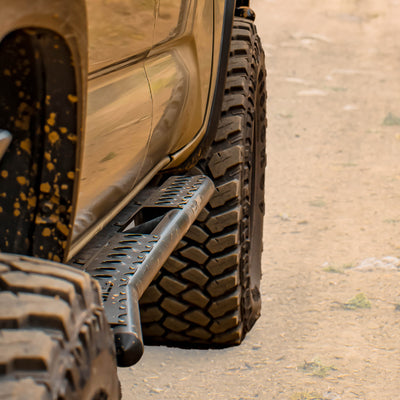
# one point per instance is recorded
(207, 294)
(55, 342)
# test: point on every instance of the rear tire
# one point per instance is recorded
(207, 294)
(55, 342)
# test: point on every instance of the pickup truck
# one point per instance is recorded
(132, 159)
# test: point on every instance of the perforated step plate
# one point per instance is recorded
(126, 257)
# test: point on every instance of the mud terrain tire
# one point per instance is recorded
(55, 342)
(207, 294)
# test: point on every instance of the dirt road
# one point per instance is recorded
(331, 277)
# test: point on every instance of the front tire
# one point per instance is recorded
(208, 292)
(55, 342)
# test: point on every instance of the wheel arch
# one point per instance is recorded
(45, 118)
(66, 18)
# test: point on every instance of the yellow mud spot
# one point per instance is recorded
(18, 83)
(1, 209)
(39, 220)
(7, 72)
(4, 173)
(53, 218)
(23, 196)
(71, 174)
(47, 129)
(46, 232)
(56, 258)
(50, 166)
(63, 129)
(22, 123)
(17, 205)
(56, 199)
(45, 187)
(52, 119)
(64, 186)
(21, 94)
(21, 180)
(72, 137)
(63, 228)
(17, 213)
(26, 145)
(47, 156)
(23, 107)
(53, 137)
(47, 100)
(32, 202)
(72, 98)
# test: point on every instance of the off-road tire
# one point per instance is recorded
(207, 294)
(55, 342)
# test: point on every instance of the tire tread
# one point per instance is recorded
(212, 280)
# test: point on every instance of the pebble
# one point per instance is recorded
(156, 390)
(350, 107)
(372, 264)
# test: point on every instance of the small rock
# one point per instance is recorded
(297, 80)
(372, 264)
(284, 217)
(312, 36)
(331, 396)
(350, 107)
(312, 92)
(156, 390)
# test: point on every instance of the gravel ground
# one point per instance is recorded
(331, 301)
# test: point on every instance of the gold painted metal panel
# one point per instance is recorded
(184, 152)
(118, 29)
(179, 68)
(183, 53)
(117, 130)
(172, 19)
(174, 108)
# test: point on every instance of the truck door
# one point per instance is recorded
(119, 105)
(179, 71)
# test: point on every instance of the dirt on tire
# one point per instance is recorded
(55, 342)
